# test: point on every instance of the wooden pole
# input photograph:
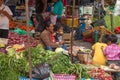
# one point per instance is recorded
(111, 20)
(72, 30)
(28, 37)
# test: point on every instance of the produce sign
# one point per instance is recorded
(14, 38)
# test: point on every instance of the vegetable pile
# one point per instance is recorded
(14, 38)
(13, 25)
(99, 73)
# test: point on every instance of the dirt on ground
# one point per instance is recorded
(82, 43)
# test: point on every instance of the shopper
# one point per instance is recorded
(57, 9)
(98, 56)
(112, 53)
(47, 37)
(5, 17)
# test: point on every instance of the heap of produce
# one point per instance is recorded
(15, 64)
(99, 73)
(13, 25)
(14, 38)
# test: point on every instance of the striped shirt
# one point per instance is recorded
(112, 52)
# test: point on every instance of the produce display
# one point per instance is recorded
(13, 25)
(14, 38)
(99, 73)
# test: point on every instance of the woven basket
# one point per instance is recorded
(87, 33)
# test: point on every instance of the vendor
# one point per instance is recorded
(5, 17)
(47, 37)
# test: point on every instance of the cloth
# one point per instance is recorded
(58, 8)
(4, 33)
(112, 52)
(53, 19)
(47, 40)
(4, 21)
(99, 58)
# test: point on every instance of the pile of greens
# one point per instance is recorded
(13, 64)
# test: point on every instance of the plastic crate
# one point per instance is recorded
(64, 77)
(25, 78)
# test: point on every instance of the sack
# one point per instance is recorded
(41, 71)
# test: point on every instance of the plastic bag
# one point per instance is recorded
(19, 31)
(41, 71)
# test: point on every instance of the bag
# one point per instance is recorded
(19, 31)
(41, 71)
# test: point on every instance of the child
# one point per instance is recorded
(58, 34)
(98, 56)
(112, 53)
(5, 17)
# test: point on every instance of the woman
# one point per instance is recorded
(47, 37)
(57, 9)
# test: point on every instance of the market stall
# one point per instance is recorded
(27, 59)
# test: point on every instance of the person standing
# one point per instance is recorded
(5, 17)
(57, 9)
(40, 8)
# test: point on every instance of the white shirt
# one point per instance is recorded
(4, 21)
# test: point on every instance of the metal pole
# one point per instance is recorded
(28, 37)
(73, 7)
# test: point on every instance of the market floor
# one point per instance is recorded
(82, 43)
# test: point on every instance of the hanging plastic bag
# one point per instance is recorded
(41, 71)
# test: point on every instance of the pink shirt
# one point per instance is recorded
(112, 52)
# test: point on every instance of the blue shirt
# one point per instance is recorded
(58, 8)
